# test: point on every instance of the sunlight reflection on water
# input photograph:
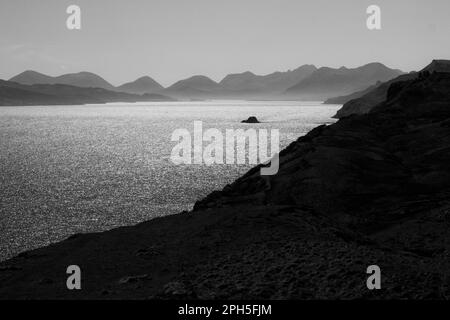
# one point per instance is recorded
(72, 169)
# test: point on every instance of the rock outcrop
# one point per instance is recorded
(251, 120)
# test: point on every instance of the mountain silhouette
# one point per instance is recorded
(248, 84)
(80, 79)
(31, 77)
(141, 86)
(328, 82)
(304, 83)
(16, 94)
(194, 87)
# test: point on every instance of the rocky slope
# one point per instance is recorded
(370, 189)
(352, 96)
(364, 101)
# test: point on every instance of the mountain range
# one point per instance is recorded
(81, 79)
(248, 84)
(304, 83)
(16, 94)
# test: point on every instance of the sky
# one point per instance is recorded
(170, 40)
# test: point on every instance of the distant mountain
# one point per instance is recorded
(84, 79)
(370, 99)
(328, 82)
(31, 77)
(248, 84)
(80, 79)
(141, 86)
(194, 87)
(11, 95)
(16, 94)
(304, 83)
(241, 82)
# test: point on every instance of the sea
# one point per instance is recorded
(90, 168)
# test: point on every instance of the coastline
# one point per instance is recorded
(369, 189)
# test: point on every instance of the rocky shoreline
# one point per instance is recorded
(369, 189)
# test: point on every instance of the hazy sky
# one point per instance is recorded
(174, 39)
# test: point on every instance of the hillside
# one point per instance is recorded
(352, 96)
(15, 94)
(369, 189)
(80, 79)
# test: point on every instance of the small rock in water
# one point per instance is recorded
(250, 120)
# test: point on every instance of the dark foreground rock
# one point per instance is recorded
(370, 189)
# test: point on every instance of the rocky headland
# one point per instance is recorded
(362, 102)
(371, 189)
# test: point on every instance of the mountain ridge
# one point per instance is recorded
(329, 82)
(80, 79)
(16, 94)
(141, 85)
(319, 83)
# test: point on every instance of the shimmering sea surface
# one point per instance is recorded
(77, 169)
